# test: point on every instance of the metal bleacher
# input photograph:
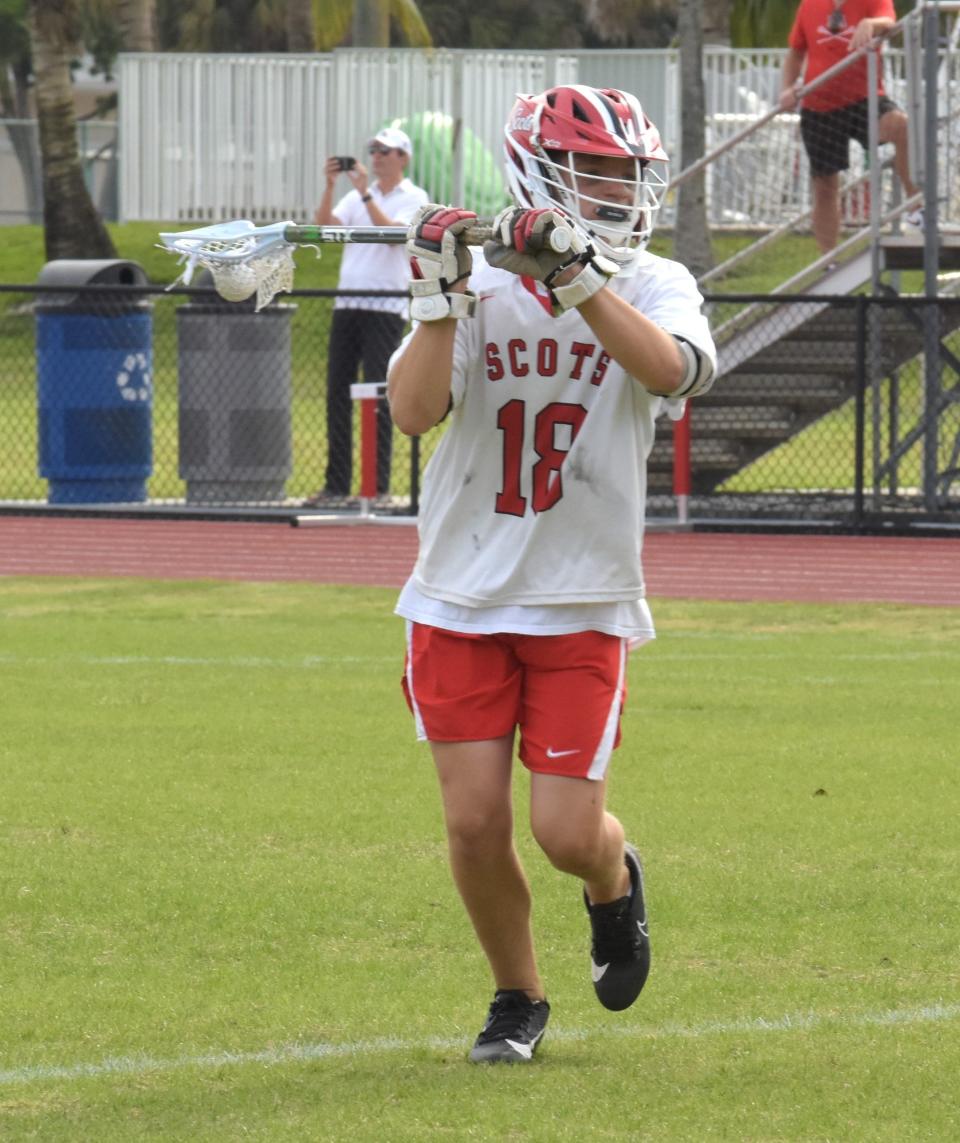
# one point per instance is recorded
(783, 367)
(799, 352)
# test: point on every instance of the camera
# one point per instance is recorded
(346, 162)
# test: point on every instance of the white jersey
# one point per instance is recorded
(536, 493)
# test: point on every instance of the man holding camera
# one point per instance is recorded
(365, 329)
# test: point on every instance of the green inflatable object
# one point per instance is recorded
(431, 132)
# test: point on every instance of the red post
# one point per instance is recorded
(681, 464)
(368, 448)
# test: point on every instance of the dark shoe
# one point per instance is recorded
(514, 1027)
(620, 955)
(325, 499)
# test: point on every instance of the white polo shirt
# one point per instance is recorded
(377, 265)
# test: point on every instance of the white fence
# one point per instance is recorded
(248, 135)
(205, 137)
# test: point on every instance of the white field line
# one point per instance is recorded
(137, 1065)
(307, 662)
(312, 662)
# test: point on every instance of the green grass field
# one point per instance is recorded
(227, 914)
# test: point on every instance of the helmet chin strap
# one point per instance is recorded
(619, 245)
(622, 255)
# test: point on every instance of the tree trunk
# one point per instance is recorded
(137, 20)
(73, 228)
(299, 26)
(691, 244)
(716, 21)
(371, 24)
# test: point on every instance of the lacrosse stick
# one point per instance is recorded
(245, 259)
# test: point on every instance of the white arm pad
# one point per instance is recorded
(429, 304)
(699, 373)
(593, 277)
(462, 305)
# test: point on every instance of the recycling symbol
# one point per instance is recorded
(133, 379)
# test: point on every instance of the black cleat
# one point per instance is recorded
(514, 1027)
(620, 955)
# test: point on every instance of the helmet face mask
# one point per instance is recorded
(595, 155)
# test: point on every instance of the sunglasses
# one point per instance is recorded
(373, 149)
(836, 22)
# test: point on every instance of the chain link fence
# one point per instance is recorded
(835, 411)
(134, 394)
(841, 410)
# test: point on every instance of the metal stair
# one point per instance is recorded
(780, 368)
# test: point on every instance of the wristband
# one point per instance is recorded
(429, 304)
(593, 277)
(462, 305)
(366, 197)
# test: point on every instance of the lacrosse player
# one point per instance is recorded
(550, 368)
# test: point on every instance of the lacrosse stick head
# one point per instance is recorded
(243, 259)
(547, 138)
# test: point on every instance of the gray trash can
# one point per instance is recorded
(94, 383)
(235, 434)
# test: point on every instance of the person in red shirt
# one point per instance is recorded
(824, 33)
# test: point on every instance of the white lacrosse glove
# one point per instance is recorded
(439, 258)
(522, 245)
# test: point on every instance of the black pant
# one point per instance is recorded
(367, 337)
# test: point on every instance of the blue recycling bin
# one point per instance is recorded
(94, 383)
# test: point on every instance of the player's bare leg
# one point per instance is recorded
(475, 784)
(582, 838)
(578, 835)
(826, 211)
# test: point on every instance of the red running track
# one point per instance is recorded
(679, 565)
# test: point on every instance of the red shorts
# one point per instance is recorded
(564, 692)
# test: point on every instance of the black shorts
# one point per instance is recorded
(827, 134)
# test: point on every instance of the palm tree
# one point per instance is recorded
(137, 25)
(369, 21)
(621, 21)
(291, 25)
(715, 21)
(300, 31)
(111, 26)
(691, 233)
(762, 23)
(72, 226)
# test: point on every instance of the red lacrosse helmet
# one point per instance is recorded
(545, 133)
